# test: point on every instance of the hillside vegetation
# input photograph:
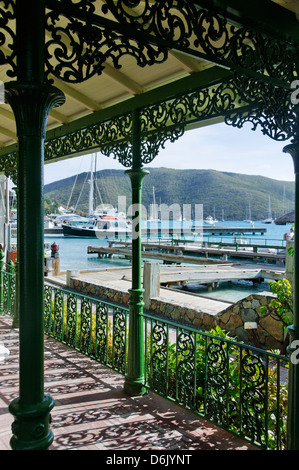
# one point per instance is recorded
(222, 193)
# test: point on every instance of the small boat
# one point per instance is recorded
(210, 220)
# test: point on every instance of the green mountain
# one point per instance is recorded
(221, 193)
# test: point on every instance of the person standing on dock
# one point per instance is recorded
(289, 235)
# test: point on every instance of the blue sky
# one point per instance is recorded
(219, 147)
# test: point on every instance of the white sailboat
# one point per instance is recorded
(211, 220)
(154, 211)
(269, 219)
(249, 220)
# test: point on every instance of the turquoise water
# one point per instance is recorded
(73, 255)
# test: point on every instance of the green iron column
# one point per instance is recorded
(135, 377)
(293, 385)
(31, 101)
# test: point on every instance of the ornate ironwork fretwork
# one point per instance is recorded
(271, 109)
(239, 100)
(81, 41)
(8, 36)
(78, 50)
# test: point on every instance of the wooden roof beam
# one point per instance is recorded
(130, 85)
(76, 95)
(190, 64)
(8, 133)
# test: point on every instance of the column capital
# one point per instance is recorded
(136, 177)
(31, 104)
(293, 150)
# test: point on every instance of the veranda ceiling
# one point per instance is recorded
(89, 98)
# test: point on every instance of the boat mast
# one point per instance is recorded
(270, 212)
(91, 184)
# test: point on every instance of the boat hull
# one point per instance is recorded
(85, 232)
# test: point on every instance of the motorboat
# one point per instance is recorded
(103, 227)
(73, 219)
(210, 220)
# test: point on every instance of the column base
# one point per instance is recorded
(135, 387)
(31, 426)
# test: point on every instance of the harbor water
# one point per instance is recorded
(74, 256)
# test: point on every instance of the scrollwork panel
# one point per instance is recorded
(85, 324)
(48, 308)
(119, 340)
(58, 322)
(101, 350)
(186, 368)
(71, 320)
(159, 358)
(254, 395)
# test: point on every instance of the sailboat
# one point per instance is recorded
(269, 219)
(103, 222)
(154, 213)
(211, 220)
(249, 220)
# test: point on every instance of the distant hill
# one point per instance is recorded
(228, 194)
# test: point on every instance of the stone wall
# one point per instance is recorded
(233, 319)
(268, 332)
(103, 292)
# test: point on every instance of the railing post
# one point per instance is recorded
(31, 101)
(293, 385)
(1, 283)
(135, 377)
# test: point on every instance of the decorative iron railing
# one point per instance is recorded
(91, 326)
(241, 388)
(7, 286)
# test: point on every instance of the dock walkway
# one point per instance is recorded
(119, 279)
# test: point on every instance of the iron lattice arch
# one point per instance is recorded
(147, 30)
(239, 101)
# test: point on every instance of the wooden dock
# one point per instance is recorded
(217, 230)
(165, 257)
(213, 274)
(190, 253)
(158, 231)
(182, 275)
